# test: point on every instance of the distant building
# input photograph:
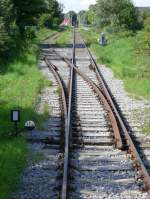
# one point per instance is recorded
(66, 22)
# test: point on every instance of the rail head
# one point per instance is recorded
(64, 191)
(53, 68)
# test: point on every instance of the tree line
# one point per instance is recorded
(117, 14)
(19, 18)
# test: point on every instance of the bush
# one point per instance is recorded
(30, 33)
(147, 39)
(56, 22)
(45, 21)
(147, 32)
(4, 41)
(147, 24)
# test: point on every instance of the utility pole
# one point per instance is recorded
(71, 20)
(79, 18)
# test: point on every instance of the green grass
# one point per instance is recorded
(146, 126)
(20, 84)
(44, 33)
(64, 38)
(12, 161)
(58, 91)
(124, 57)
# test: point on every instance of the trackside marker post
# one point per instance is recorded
(15, 117)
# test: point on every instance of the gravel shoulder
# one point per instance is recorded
(134, 110)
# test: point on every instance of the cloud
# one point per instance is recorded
(78, 5)
(141, 3)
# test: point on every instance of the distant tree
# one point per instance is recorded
(27, 12)
(52, 15)
(83, 17)
(7, 23)
(146, 14)
(117, 12)
(147, 24)
(6, 12)
(147, 31)
(91, 14)
(18, 16)
(72, 16)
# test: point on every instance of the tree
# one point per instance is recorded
(53, 15)
(6, 12)
(72, 16)
(27, 12)
(6, 24)
(117, 12)
(147, 31)
(103, 13)
(18, 16)
(91, 14)
(82, 17)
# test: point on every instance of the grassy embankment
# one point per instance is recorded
(64, 39)
(129, 59)
(20, 84)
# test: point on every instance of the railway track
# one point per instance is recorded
(88, 153)
(93, 168)
(137, 144)
(42, 178)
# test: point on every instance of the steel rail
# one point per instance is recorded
(68, 118)
(69, 123)
(53, 68)
(117, 136)
(131, 147)
(118, 140)
(106, 96)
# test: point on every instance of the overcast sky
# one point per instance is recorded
(77, 5)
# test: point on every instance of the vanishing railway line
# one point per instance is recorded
(92, 167)
(88, 151)
(137, 147)
(42, 178)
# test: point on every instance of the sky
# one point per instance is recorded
(78, 5)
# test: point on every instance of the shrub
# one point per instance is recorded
(147, 24)
(147, 32)
(30, 32)
(147, 39)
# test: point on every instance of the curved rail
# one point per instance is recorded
(68, 116)
(131, 147)
(53, 68)
(67, 137)
(117, 136)
(116, 120)
(118, 140)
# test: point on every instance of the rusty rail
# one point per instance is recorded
(67, 127)
(53, 69)
(67, 138)
(117, 137)
(118, 140)
(68, 117)
(114, 115)
(131, 147)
